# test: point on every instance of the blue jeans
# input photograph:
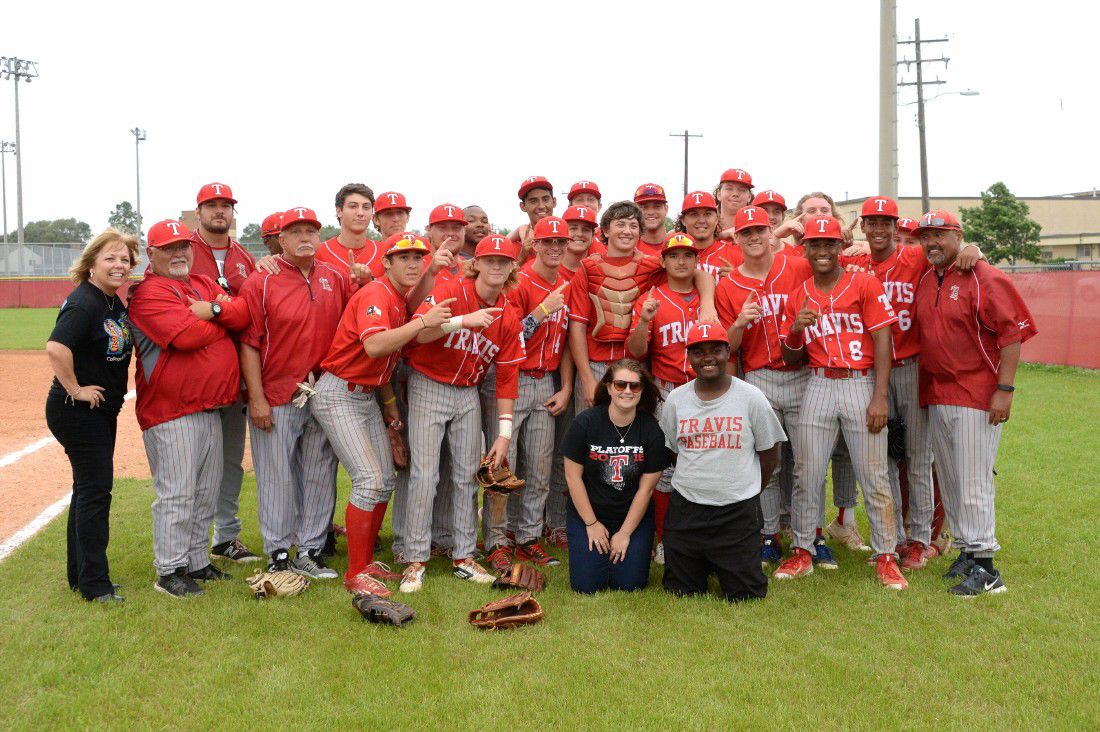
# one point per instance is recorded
(590, 571)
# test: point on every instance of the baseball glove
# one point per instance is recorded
(398, 448)
(507, 612)
(498, 480)
(277, 584)
(521, 577)
(895, 438)
(380, 610)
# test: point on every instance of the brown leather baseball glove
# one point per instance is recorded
(380, 610)
(398, 448)
(498, 480)
(507, 612)
(277, 584)
(521, 577)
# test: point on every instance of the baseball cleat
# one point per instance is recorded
(500, 560)
(940, 545)
(915, 556)
(178, 584)
(438, 551)
(823, 556)
(960, 568)
(313, 566)
(535, 554)
(382, 571)
(889, 574)
(364, 584)
(799, 564)
(848, 535)
(413, 578)
(558, 539)
(280, 561)
(770, 551)
(109, 599)
(659, 553)
(469, 570)
(234, 551)
(209, 572)
(979, 582)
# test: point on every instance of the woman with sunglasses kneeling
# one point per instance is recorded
(614, 454)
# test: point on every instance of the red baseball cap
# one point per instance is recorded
(907, 225)
(880, 206)
(939, 218)
(822, 227)
(649, 192)
(166, 232)
(446, 212)
(736, 175)
(580, 213)
(748, 217)
(698, 199)
(298, 215)
(677, 240)
(496, 245)
(551, 227)
(584, 186)
(272, 225)
(390, 199)
(406, 242)
(214, 192)
(535, 181)
(706, 333)
(769, 196)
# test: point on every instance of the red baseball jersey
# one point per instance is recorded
(602, 295)
(650, 250)
(294, 318)
(333, 253)
(237, 265)
(963, 321)
(597, 247)
(170, 382)
(710, 259)
(760, 341)
(462, 357)
(376, 307)
(847, 315)
(545, 346)
(899, 274)
(667, 332)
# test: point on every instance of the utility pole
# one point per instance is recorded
(17, 68)
(139, 137)
(686, 135)
(888, 100)
(920, 84)
(5, 148)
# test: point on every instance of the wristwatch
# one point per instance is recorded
(215, 309)
(1006, 387)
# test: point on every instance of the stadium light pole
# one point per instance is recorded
(139, 137)
(5, 148)
(18, 68)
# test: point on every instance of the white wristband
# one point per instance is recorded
(452, 325)
(505, 426)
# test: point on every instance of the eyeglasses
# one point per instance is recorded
(621, 385)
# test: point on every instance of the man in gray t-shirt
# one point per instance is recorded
(726, 438)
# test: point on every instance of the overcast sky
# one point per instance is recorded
(450, 102)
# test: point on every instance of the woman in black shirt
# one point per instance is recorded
(89, 351)
(614, 453)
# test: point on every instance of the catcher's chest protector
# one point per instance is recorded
(613, 290)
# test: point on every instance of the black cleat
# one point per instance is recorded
(960, 568)
(209, 572)
(280, 561)
(178, 584)
(979, 582)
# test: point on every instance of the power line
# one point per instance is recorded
(686, 135)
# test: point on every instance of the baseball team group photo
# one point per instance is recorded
(350, 433)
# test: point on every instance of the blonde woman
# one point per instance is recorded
(89, 351)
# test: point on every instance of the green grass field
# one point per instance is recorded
(826, 652)
(25, 328)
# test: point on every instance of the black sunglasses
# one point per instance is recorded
(622, 385)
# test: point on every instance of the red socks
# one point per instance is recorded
(378, 514)
(660, 506)
(360, 527)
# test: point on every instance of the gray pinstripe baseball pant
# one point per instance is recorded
(831, 407)
(905, 401)
(353, 424)
(845, 490)
(599, 368)
(437, 413)
(295, 480)
(185, 458)
(530, 452)
(785, 391)
(664, 484)
(965, 449)
(227, 522)
(558, 499)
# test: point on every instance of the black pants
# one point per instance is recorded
(724, 540)
(88, 436)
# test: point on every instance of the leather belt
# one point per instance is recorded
(835, 373)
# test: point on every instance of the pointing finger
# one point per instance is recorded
(446, 302)
(852, 225)
(561, 288)
(351, 260)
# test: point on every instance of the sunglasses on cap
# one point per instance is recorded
(925, 223)
(622, 385)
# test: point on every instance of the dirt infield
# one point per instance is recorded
(35, 481)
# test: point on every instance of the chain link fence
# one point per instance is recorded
(38, 260)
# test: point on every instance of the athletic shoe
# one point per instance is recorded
(960, 568)
(500, 560)
(109, 599)
(209, 572)
(557, 538)
(364, 584)
(848, 535)
(329, 549)
(659, 553)
(979, 582)
(234, 551)
(280, 561)
(470, 570)
(889, 574)
(823, 556)
(800, 563)
(312, 565)
(413, 578)
(177, 584)
(914, 556)
(770, 551)
(535, 554)
(438, 551)
(382, 571)
(939, 545)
